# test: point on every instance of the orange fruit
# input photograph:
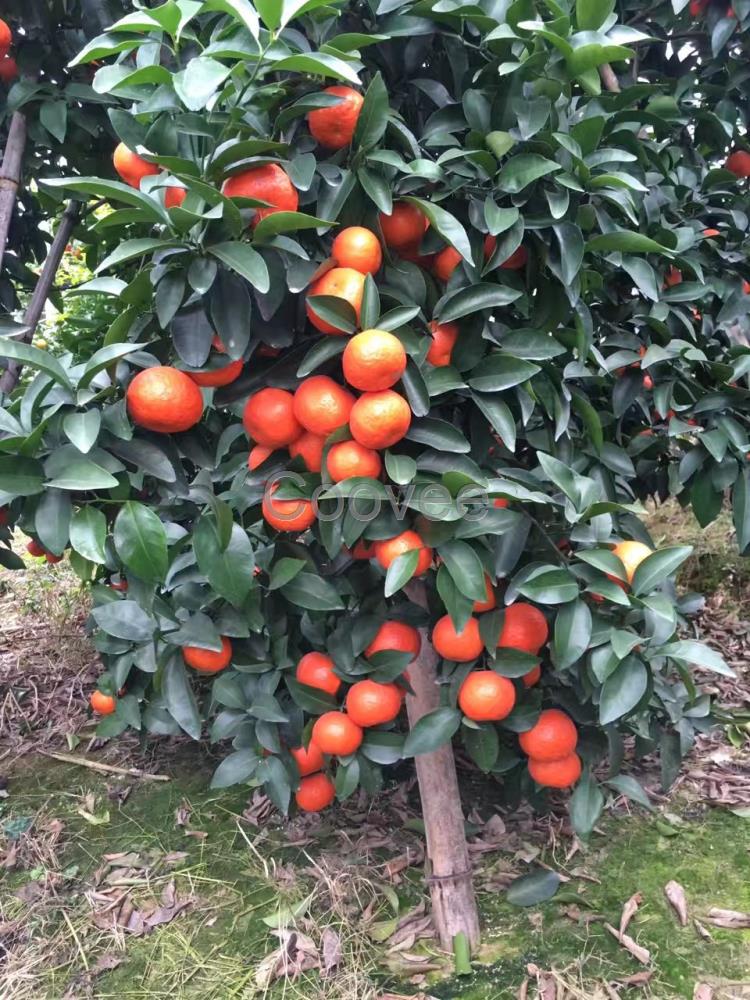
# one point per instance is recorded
(745, 290)
(342, 283)
(404, 227)
(358, 248)
(379, 419)
(6, 38)
(446, 262)
(174, 196)
(363, 550)
(553, 737)
(631, 555)
(396, 636)
(411, 253)
(461, 646)
(486, 696)
(516, 261)
(218, 376)
(309, 447)
(208, 661)
(444, 337)
(349, 459)
(371, 704)
(334, 126)
(533, 677)
(373, 360)
(556, 773)
(648, 382)
(52, 558)
(316, 671)
(315, 792)
(121, 585)
(739, 163)
(308, 759)
(711, 232)
(500, 503)
(672, 277)
(391, 548)
(35, 549)
(164, 399)
(322, 405)
(270, 183)
(131, 167)
(9, 71)
(288, 515)
(489, 602)
(257, 456)
(102, 704)
(335, 733)
(269, 418)
(524, 628)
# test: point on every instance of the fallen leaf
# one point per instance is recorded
(183, 812)
(703, 992)
(643, 955)
(629, 910)
(676, 896)
(637, 979)
(702, 931)
(330, 946)
(730, 919)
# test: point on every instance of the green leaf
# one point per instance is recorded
(197, 83)
(284, 570)
(625, 241)
(319, 64)
(83, 474)
(438, 434)
(554, 586)
(241, 10)
(96, 187)
(432, 731)
(34, 358)
(237, 767)
(631, 789)
(591, 14)
(130, 249)
(446, 225)
(658, 566)
(141, 541)
(335, 311)
(52, 520)
(482, 745)
(20, 477)
(103, 357)
(246, 261)
(400, 572)
(326, 348)
(573, 626)
(585, 806)
(501, 371)
(400, 468)
(228, 570)
(53, 115)
(570, 239)
(622, 690)
(465, 568)
(689, 651)
(307, 590)
(373, 117)
(88, 532)
(179, 698)
(520, 171)
(82, 429)
(125, 620)
(310, 699)
(287, 222)
(534, 888)
(456, 305)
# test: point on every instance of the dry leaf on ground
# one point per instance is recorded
(732, 920)
(629, 910)
(643, 955)
(677, 900)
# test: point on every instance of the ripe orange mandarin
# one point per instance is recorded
(363, 550)
(371, 704)
(334, 126)
(379, 419)
(208, 661)
(164, 399)
(257, 456)
(270, 183)
(8, 70)
(460, 646)
(484, 696)
(315, 792)
(174, 196)
(309, 447)
(556, 773)
(349, 459)
(52, 558)
(396, 636)
(131, 167)
(444, 337)
(711, 232)
(288, 515)
(404, 227)
(739, 163)
(102, 704)
(316, 671)
(516, 260)
(358, 248)
(34, 548)
(532, 677)
(446, 262)
(391, 548)
(373, 360)
(553, 737)
(308, 759)
(342, 283)
(269, 418)
(672, 277)
(218, 376)
(524, 628)
(489, 602)
(631, 555)
(322, 405)
(6, 38)
(336, 733)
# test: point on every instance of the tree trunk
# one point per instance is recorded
(454, 907)
(41, 292)
(10, 176)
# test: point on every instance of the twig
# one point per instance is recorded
(72, 930)
(609, 78)
(95, 765)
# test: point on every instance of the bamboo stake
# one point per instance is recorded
(454, 907)
(40, 294)
(10, 176)
(96, 765)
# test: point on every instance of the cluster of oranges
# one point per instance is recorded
(550, 745)
(8, 67)
(36, 549)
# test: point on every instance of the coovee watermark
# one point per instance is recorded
(365, 501)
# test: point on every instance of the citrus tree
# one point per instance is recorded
(416, 303)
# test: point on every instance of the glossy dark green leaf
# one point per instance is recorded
(52, 520)
(245, 261)
(475, 298)
(658, 566)
(432, 731)
(88, 531)
(400, 572)
(141, 541)
(307, 590)
(237, 767)
(573, 626)
(228, 570)
(586, 806)
(622, 690)
(179, 698)
(534, 888)
(466, 569)
(125, 620)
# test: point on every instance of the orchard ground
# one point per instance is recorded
(206, 887)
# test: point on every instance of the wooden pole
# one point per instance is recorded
(40, 294)
(454, 907)
(10, 176)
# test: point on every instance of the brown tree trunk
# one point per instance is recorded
(41, 292)
(10, 176)
(454, 907)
